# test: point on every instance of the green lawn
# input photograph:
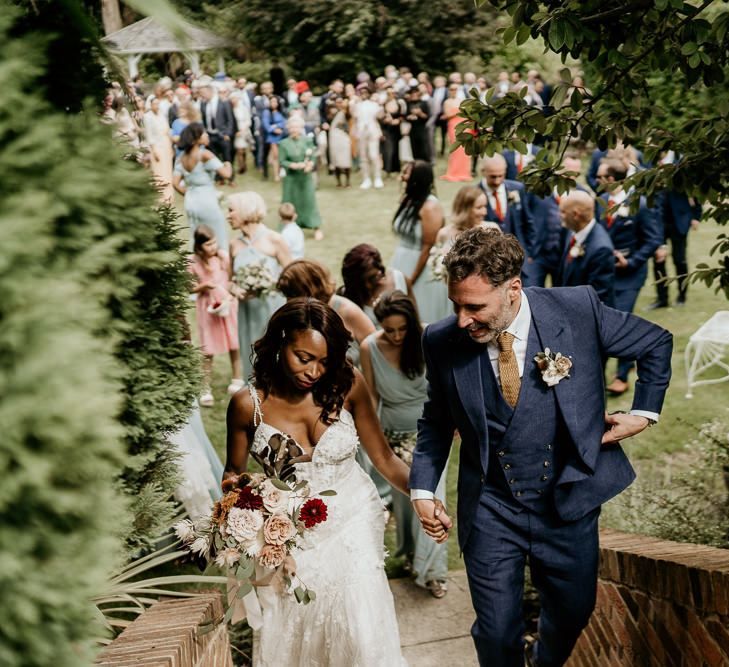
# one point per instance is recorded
(354, 216)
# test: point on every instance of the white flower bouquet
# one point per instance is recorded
(258, 524)
(255, 279)
(436, 265)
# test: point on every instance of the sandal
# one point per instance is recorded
(437, 588)
(207, 400)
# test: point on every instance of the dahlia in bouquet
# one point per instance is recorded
(258, 524)
(255, 279)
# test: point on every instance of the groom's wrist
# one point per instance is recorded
(652, 417)
(421, 494)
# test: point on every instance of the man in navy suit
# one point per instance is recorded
(587, 257)
(515, 162)
(679, 214)
(538, 453)
(635, 238)
(550, 233)
(219, 121)
(507, 206)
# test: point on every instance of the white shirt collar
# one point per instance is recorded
(617, 197)
(582, 235)
(519, 327)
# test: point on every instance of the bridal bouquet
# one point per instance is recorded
(258, 524)
(255, 279)
(436, 265)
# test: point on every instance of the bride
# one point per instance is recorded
(304, 386)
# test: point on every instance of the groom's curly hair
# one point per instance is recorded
(484, 252)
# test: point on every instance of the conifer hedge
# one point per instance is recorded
(94, 370)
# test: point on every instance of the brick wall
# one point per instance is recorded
(167, 635)
(659, 604)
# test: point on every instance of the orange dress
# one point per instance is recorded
(459, 164)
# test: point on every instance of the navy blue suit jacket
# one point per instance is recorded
(598, 155)
(518, 219)
(224, 118)
(595, 268)
(636, 236)
(547, 226)
(677, 206)
(512, 171)
(570, 320)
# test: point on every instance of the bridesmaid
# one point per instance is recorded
(417, 222)
(366, 279)
(256, 244)
(305, 277)
(459, 164)
(394, 367)
(469, 209)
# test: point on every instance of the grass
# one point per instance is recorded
(353, 216)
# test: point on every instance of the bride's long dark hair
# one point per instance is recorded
(301, 314)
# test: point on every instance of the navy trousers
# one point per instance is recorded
(563, 561)
(625, 300)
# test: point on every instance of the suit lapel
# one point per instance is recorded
(467, 374)
(554, 333)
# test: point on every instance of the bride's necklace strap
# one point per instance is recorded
(257, 412)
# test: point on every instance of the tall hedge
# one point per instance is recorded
(94, 370)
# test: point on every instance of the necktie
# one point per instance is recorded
(519, 162)
(610, 217)
(573, 240)
(508, 368)
(499, 210)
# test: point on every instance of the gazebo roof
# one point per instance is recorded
(149, 36)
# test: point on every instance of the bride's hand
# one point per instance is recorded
(434, 519)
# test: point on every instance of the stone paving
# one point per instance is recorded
(435, 633)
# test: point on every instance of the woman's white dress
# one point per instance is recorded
(352, 622)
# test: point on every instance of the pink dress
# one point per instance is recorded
(218, 335)
(459, 163)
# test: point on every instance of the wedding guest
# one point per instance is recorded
(394, 368)
(274, 126)
(297, 155)
(369, 136)
(469, 209)
(418, 112)
(219, 122)
(393, 113)
(186, 113)
(340, 143)
(366, 279)
(459, 164)
(290, 231)
(216, 312)
(417, 222)
(157, 133)
(243, 137)
(635, 238)
(306, 277)
(193, 177)
(255, 245)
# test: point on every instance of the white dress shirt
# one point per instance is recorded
(500, 193)
(519, 328)
(581, 236)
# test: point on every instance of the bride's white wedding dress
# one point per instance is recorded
(352, 622)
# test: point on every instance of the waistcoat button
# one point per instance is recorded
(546, 464)
(507, 466)
(512, 481)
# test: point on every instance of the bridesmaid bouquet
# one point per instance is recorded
(435, 263)
(255, 279)
(258, 524)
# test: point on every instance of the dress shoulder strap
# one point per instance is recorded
(257, 412)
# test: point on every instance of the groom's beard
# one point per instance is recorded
(485, 332)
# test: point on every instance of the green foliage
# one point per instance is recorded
(60, 512)
(325, 40)
(657, 71)
(685, 497)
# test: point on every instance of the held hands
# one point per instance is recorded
(620, 261)
(436, 523)
(620, 425)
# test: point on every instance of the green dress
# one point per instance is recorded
(401, 405)
(298, 186)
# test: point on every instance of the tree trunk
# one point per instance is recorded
(111, 16)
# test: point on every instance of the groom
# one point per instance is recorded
(536, 461)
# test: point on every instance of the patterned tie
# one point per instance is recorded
(610, 217)
(508, 368)
(499, 210)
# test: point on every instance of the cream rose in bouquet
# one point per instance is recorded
(255, 280)
(436, 265)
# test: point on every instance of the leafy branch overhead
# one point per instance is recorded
(655, 78)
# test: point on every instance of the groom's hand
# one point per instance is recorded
(621, 425)
(434, 519)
